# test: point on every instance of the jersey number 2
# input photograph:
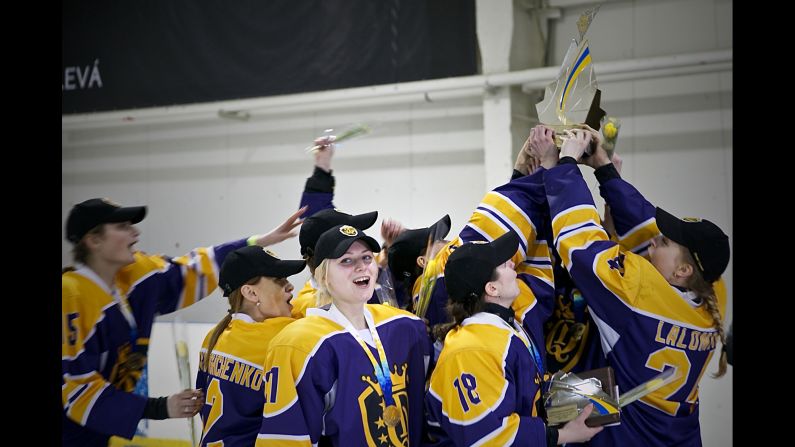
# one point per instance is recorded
(215, 399)
(657, 361)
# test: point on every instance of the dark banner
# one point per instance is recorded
(132, 54)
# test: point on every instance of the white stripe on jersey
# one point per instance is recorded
(495, 433)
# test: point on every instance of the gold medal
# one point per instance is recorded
(391, 415)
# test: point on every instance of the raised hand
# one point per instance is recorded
(575, 143)
(283, 231)
(542, 145)
(325, 152)
(390, 229)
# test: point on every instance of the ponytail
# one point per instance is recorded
(235, 304)
(706, 292)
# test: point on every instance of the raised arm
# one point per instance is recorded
(319, 188)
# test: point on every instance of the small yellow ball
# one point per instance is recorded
(610, 130)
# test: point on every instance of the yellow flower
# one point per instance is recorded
(610, 131)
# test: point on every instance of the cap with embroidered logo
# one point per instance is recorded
(253, 261)
(318, 223)
(708, 244)
(336, 241)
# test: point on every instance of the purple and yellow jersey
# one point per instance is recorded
(480, 391)
(306, 300)
(106, 336)
(318, 381)
(633, 215)
(645, 324)
(232, 382)
(519, 205)
(572, 340)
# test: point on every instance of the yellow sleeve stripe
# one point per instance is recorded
(200, 273)
(484, 224)
(209, 269)
(538, 251)
(189, 291)
(80, 408)
(504, 434)
(283, 440)
(639, 236)
(577, 239)
(544, 273)
(573, 217)
(491, 228)
(508, 211)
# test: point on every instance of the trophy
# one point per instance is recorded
(567, 394)
(573, 98)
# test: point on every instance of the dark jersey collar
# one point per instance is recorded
(502, 312)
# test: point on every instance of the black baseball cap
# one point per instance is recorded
(250, 262)
(335, 242)
(471, 266)
(708, 244)
(402, 254)
(86, 215)
(318, 223)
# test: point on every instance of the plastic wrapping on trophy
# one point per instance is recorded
(568, 394)
(573, 98)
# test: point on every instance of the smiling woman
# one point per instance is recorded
(231, 358)
(346, 358)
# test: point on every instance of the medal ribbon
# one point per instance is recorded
(382, 369)
(520, 332)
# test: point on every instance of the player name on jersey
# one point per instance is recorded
(685, 338)
(232, 370)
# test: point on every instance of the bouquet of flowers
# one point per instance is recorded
(610, 133)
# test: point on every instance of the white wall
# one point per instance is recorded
(209, 180)
(676, 137)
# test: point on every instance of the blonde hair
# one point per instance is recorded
(706, 293)
(235, 304)
(323, 292)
